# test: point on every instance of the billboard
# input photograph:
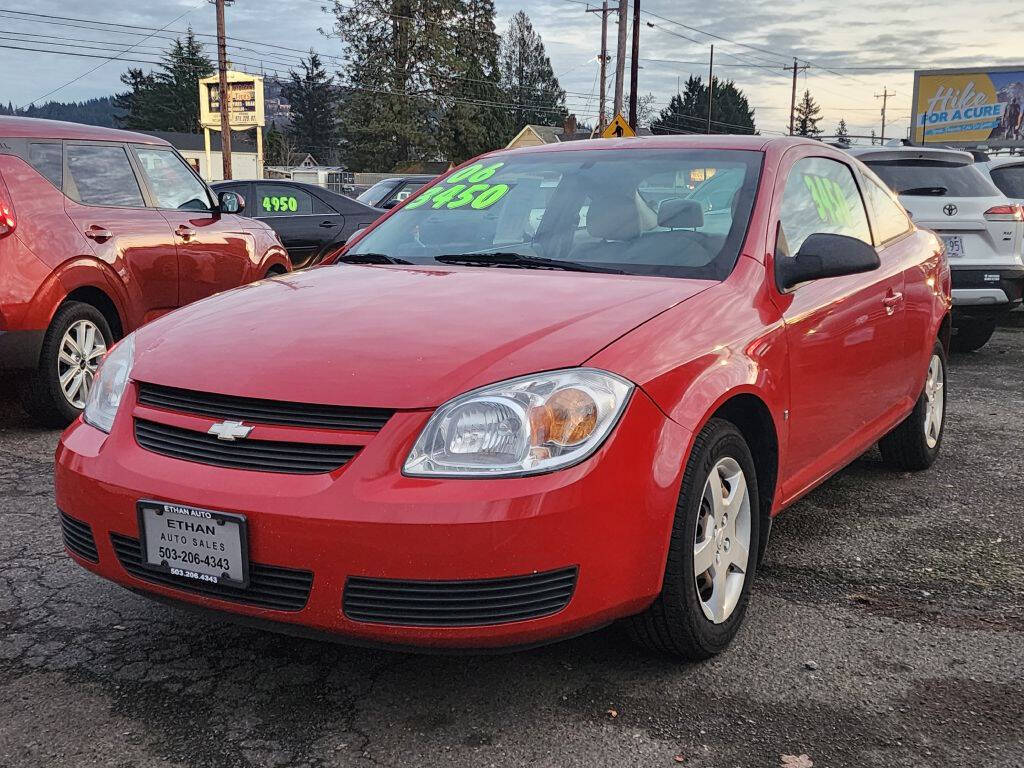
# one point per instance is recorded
(969, 107)
(245, 101)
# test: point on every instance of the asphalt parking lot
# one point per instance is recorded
(886, 629)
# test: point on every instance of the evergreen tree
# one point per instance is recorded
(474, 119)
(277, 147)
(808, 115)
(842, 132)
(527, 78)
(166, 100)
(313, 97)
(874, 137)
(397, 54)
(687, 112)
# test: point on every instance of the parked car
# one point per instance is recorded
(388, 193)
(1006, 172)
(982, 228)
(100, 232)
(310, 220)
(514, 435)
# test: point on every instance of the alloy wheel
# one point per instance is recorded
(81, 350)
(721, 548)
(935, 402)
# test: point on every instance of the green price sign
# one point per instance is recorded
(469, 186)
(279, 204)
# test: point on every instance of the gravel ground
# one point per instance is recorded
(886, 629)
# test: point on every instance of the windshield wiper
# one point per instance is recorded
(518, 260)
(924, 191)
(369, 258)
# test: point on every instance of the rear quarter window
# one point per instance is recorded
(1009, 179)
(48, 159)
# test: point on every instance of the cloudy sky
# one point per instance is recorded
(855, 49)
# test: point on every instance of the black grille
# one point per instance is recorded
(258, 455)
(263, 411)
(282, 589)
(458, 603)
(78, 538)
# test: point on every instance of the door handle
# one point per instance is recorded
(185, 233)
(893, 300)
(328, 224)
(98, 233)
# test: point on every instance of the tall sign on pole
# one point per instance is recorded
(222, 69)
(969, 107)
(244, 100)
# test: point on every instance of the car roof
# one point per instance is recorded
(37, 128)
(868, 154)
(701, 141)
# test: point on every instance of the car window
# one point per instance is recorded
(48, 159)
(282, 200)
(102, 175)
(891, 220)
(637, 212)
(821, 196)
(377, 192)
(932, 178)
(405, 189)
(1009, 179)
(172, 182)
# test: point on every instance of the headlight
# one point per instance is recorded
(522, 426)
(108, 386)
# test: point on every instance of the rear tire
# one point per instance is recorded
(914, 445)
(42, 392)
(972, 333)
(691, 619)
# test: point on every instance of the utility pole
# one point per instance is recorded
(884, 96)
(620, 56)
(634, 65)
(222, 67)
(792, 101)
(711, 84)
(602, 115)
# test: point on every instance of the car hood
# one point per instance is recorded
(393, 336)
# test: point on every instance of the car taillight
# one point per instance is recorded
(1005, 213)
(8, 221)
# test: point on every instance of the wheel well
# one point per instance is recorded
(946, 331)
(276, 269)
(751, 417)
(102, 302)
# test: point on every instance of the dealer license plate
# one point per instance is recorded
(954, 246)
(197, 544)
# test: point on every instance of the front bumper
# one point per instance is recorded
(987, 291)
(609, 517)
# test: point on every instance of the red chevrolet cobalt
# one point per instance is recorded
(559, 387)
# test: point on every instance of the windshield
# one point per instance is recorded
(680, 213)
(932, 178)
(1009, 179)
(377, 192)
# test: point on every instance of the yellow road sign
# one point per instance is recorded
(617, 129)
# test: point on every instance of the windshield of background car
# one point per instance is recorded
(1009, 179)
(940, 179)
(678, 213)
(377, 192)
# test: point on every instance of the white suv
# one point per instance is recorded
(944, 191)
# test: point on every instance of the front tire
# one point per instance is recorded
(712, 555)
(77, 339)
(972, 333)
(914, 445)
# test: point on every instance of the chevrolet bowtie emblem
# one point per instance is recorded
(230, 430)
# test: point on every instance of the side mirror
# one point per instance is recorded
(825, 255)
(230, 202)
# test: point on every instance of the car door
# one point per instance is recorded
(844, 334)
(304, 223)
(215, 252)
(105, 200)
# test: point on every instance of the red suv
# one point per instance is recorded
(559, 387)
(100, 232)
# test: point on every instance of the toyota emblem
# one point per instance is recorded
(950, 209)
